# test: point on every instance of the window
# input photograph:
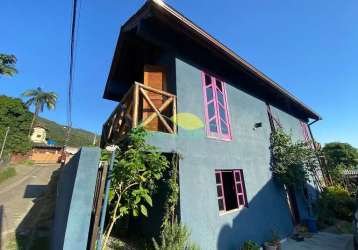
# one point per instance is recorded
(305, 132)
(231, 192)
(216, 108)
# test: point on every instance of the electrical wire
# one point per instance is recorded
(73, 45)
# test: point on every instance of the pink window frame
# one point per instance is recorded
(218, 120)
(241, 182)
(221, 185)
(306, 134)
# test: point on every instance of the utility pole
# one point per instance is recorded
(4, 142)
(94, 139)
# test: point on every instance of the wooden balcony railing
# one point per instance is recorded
(151, 108)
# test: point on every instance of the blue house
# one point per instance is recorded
(224, 111)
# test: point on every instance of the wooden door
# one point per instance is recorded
(155, 77)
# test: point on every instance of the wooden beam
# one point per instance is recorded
(175, 118)
(155, 90)
(111, 127)
(135, 105)
(153, 115)
(156, 111)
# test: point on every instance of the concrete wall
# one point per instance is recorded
(74, 200)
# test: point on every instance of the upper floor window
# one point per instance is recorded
(230, 188)
(217, 118)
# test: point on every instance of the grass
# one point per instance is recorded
(17, 242)
(7, 173)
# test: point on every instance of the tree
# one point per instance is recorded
(14, 114)
(137, 168)
(7, 65)
(39, 99)
(339, 156)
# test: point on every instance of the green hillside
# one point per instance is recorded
(57, 133)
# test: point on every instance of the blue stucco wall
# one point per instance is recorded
(249, 150)
(74, 200)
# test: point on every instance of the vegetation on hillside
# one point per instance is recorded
(57, 133)
(14, 114)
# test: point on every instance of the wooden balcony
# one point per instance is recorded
(142, 105)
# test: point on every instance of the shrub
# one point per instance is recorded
(175, 237)
(335, 203)
(250, 245)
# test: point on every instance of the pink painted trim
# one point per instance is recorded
(274, 119)
(243, 191)
(215, 89)
(306, 133)
(241, 182)
(222, 197)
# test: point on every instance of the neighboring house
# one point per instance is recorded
(39, 134)
(45, 154)
(165, 66)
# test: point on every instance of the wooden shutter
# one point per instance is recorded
(155, 77)
(220, 191)
(240, 188)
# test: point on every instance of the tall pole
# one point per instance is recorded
(94, 139)
(105, 201)
(4, 142)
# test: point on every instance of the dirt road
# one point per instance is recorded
(17, 195)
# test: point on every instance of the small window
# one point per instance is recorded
(230, 186)
(216, 108)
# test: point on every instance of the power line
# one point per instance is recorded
(73, 44)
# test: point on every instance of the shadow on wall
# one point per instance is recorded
(34, 230)
(268, 210)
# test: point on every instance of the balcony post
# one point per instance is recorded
(175, 118)
(135, 105)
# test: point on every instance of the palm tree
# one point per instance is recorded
(39, 99)
(7, 65)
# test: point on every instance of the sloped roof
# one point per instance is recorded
(199, 34)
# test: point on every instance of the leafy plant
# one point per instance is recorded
(175, 236)
(292, 162)
(334, 203)
(173, 193)
(250, 245)
(7, 65)
(39, 99)
(137, 168)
